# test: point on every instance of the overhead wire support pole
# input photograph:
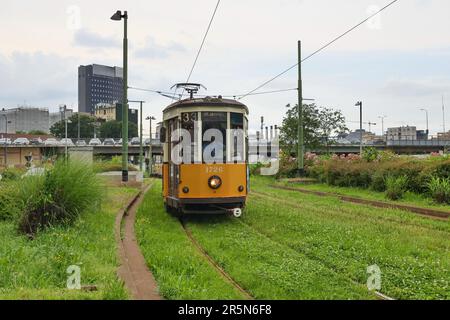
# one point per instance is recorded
(141, 146)
(300, 147)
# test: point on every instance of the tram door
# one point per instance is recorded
(174, 170)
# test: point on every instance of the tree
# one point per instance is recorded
(37, 133)
(113, 129)
(87, 125)
(320, 124)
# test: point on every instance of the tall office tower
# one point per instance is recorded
(99, 84)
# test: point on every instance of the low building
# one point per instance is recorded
(24, 119)
(55, 117)
(444, 136)
(111, 112)
(402, 134)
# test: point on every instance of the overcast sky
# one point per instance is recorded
(397, 63)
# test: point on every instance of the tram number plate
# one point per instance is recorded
(214, 169)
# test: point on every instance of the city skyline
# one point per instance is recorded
(397, 64)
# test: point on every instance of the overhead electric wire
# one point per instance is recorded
(202, 45)
(170, 94)
(320, 49)
(261, 93)
(203, 41)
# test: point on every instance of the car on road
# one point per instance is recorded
(95, 142)
(21, 142)
(51, 142)
(81, 143)
(4, 141)
(109, 142)
(66, 141)
(147, 142)
(35, 141)
(135, 141)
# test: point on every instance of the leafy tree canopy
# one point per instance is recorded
(87, 126)
(113, 129)
(320, 124)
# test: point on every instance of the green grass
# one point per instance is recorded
(36, 269)
(179, 269)
(413, 252)
(266, 269)
(409, 198)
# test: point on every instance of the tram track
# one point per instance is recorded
(379, 295)
(213, 263)
(424, 212)
(347, 214)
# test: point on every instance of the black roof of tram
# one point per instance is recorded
(207, 102)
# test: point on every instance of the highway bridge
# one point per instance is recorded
(16, 154)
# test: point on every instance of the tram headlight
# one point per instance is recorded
(215, 182)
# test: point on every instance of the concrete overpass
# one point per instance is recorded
(15, 154)
(399, 147)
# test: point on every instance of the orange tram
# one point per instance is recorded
(205, 164)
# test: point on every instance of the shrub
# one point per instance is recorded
(255, 169)
(439, 189)
(11, 174)
(378, 181)
(370, 154)
(59, 196)
(396, 187)
(9, 206)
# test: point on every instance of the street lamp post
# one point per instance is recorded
(141, 148)
(426, 112)
(360, 105)
(6, 140)
(150, 156)
(300, 133)
(382, 125)
(117, 17)
(63, 113)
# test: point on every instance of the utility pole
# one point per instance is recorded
(79, 126)
(300, 138)
(426, 112)
(443, 114)
(150, 157)
(141, 145)
(370, 125)
(6, 139)
(360, 105)
(63, 110)
(141, 148)
(117, 17)
(382, 124)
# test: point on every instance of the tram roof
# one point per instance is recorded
(207, 102)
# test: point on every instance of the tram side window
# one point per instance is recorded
(237, 137)
(214, 129)
(188, 121)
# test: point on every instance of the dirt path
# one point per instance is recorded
(133, 270)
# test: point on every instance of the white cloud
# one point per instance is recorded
(89, 39)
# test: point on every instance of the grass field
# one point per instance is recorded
(36, 269)
(410, 198)
(294, 246)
